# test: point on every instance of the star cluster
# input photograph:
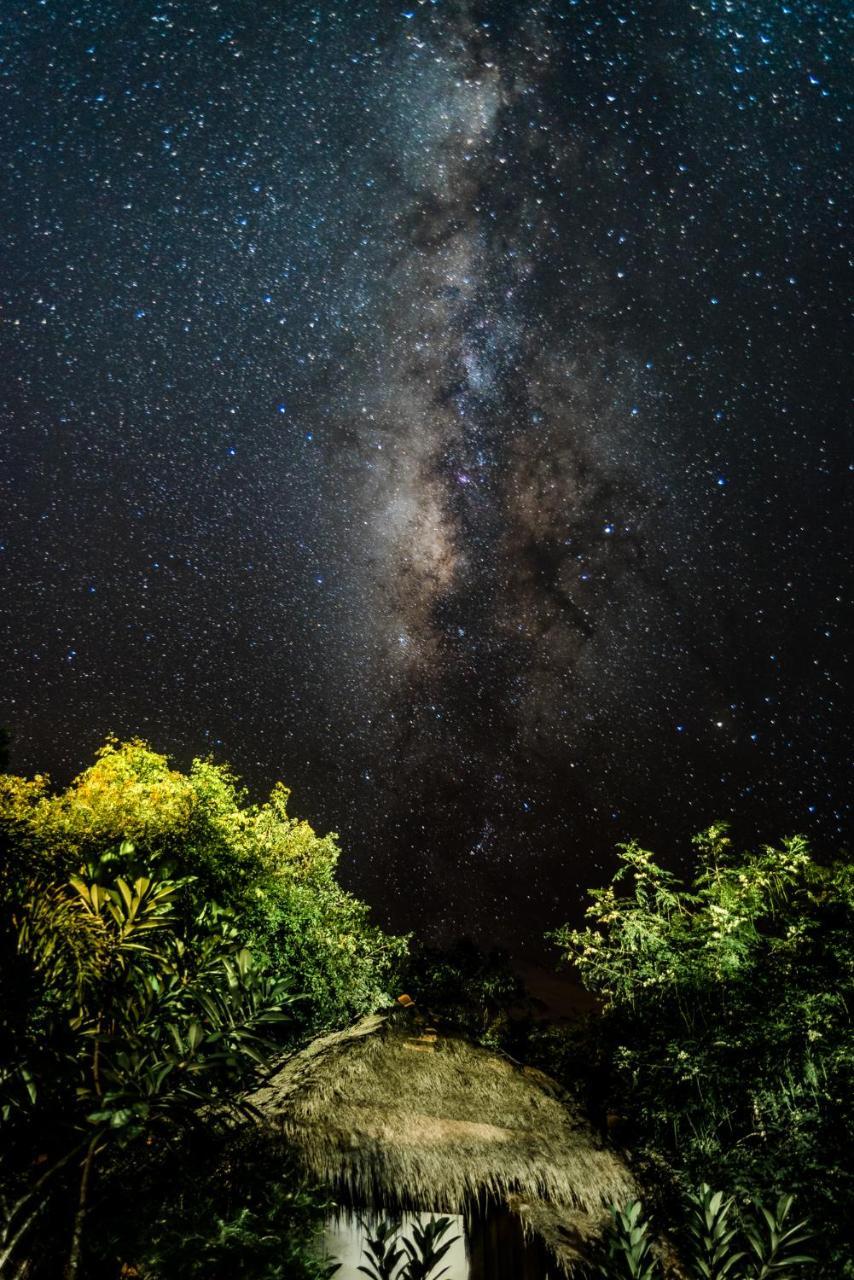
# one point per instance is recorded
(441, 407)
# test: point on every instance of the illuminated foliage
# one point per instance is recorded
(159, 933)
(726, 1024)
(135, 814)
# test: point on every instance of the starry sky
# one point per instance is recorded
(441, 407)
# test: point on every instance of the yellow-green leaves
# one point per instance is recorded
(126, 914)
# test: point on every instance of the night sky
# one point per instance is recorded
(440, 407)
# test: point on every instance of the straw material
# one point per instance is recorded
(566, 1233)
(395, 1116)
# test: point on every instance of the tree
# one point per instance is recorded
(726, 1020)
(141, 1020)
(256, 864)
(150, 921)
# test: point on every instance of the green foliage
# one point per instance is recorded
(213, 1208)
(139, 1020)
(775, 1245)
(392, 1255)
(629, 1245)
(310, 927)
(726, 1021)
(155, 929)
(758, 1247)
(130, 814)
(466, 988)
(425, 1248)
(712, 1231)
(382, 1249)
(256, 1239)
(141, 1015)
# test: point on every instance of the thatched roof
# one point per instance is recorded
(395, 1115)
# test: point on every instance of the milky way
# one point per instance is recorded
(440, 407)
(507, 494)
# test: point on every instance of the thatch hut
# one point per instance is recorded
(394, 1115)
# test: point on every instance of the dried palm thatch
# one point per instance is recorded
(392, 1115)
(567, 1233)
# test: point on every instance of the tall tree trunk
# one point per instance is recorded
(72, 1267)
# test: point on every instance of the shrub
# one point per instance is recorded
(159, 935)
(726, 1022)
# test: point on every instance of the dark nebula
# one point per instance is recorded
(440, 407)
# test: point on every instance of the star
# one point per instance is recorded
(538, 384)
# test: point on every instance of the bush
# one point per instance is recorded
(159, 935)
(472, 991)
(214, 1207)
(726, 1022)
(720, 1243)
(251, 866)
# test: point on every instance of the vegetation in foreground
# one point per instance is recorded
(161, 937)
(719, 1243)
(392, 1254)
(724, 1042)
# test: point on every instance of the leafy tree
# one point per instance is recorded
(726, 1021)
(470, 990)
(216, 1204)
(136, 1025)
(132, 813)
(155, 927)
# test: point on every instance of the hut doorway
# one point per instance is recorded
(499, 1249)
